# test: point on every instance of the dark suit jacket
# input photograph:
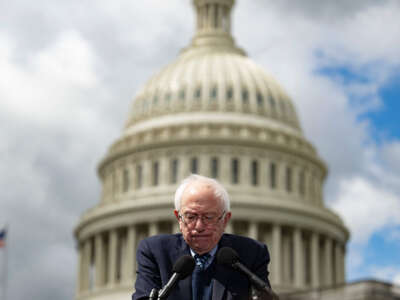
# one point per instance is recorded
(156, 256)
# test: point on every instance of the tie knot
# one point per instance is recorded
(201, 260)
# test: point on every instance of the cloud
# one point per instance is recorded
(70, 70)
(359, 200)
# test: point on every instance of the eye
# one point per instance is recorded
(190, 217)
(209, 217)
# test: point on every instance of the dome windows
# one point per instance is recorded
(214, 167)
(182, 95)
(260, 100)
(235, 171)
(229, 94)
(155, 174)
(254, 172)
(194, 166)
(272, 175)
(197, 93)
(213, 93)
(245, 96)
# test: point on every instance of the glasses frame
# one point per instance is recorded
(203, 218)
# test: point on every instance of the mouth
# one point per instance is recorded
(201, 236)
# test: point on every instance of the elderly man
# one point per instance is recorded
(202, 209)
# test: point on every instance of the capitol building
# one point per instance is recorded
(215, 112)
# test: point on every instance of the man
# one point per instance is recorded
(202, 208)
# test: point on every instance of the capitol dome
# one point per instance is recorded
(212, 111)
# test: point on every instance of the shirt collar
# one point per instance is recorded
(212, 251)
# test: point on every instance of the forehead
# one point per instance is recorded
(201, 196)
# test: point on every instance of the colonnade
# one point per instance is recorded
(296, 180)
(300, 258)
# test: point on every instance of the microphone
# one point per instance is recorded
(229, 257)
(182, 268)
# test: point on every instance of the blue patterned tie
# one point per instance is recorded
(201, 260)
(199, 277)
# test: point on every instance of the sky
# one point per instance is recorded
(69, 71)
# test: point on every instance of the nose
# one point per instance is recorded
(199, 224)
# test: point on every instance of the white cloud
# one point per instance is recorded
(70, 69)
(390, 273)
(366, 208)
(49, 88)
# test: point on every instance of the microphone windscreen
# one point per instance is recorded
(227, 256)
(184, 266)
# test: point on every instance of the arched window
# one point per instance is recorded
(254, 172)
(229, 94)
(272, 175)
(155, 173)
(214, 167)
(197, 93)
(302, 187)
(235, 171)
(288, 179)
(260, 100)
(245, 96)
(182, 95)
(194, 165)
(213, 93)
(125, 180)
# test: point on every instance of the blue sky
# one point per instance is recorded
(70, 70)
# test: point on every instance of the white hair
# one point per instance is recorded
(219, 191)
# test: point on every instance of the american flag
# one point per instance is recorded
(3, 238)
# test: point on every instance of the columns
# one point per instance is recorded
(112, 257)
(229, 227)
(298, 258)
(204, 165)
(276, 267)
(183, 170)
(163, 171)
(287, 258)
(342, 263)
(339, 278)
(153, 228)
(130, 258)
(86, 258)
(225, 169)
(99, 261)
(315, 276)
(328, 272)
(253, 230)
(244, 170)
(175, 227)
(281, 176)
(147, 172)
(80, 269)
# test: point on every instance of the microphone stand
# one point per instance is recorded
(153, 294)
(262, 294)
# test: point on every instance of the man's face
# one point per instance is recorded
(199, 200)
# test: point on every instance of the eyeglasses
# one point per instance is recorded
(208, 219)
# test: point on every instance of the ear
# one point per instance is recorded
(228, 216)
(176, 213)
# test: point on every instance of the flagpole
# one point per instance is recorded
(5, 262)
